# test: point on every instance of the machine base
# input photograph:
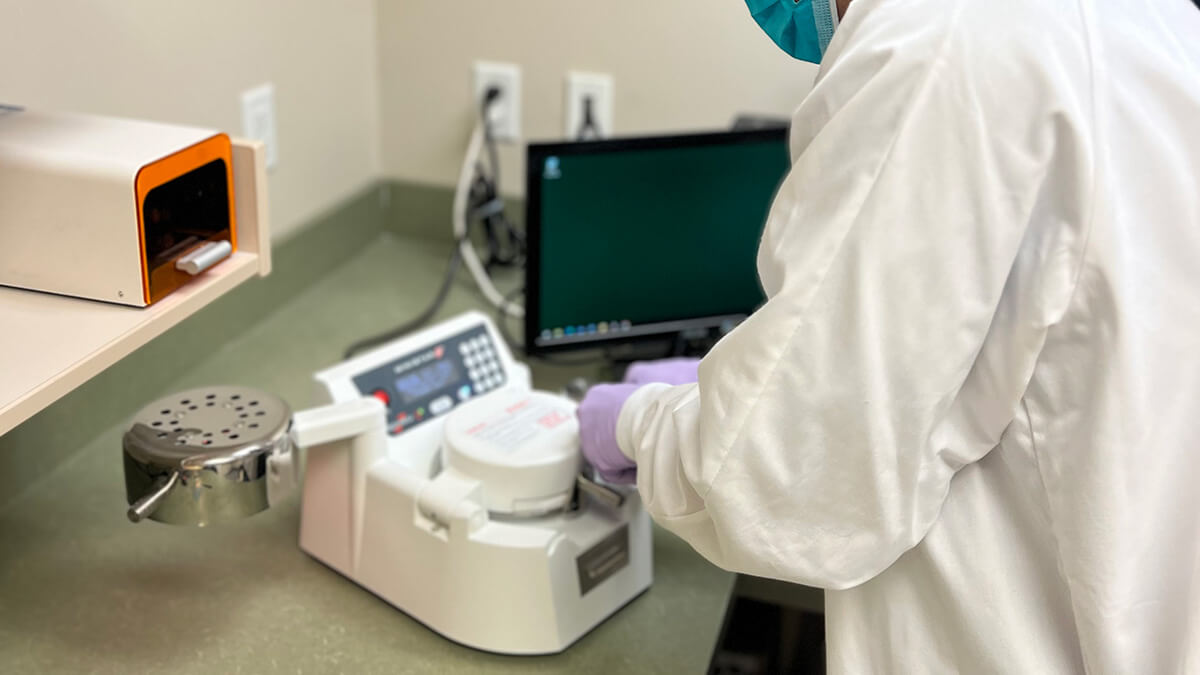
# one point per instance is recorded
(519, 587)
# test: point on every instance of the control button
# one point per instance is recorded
(463, 348)
(476, 373)
(464, 392)
(441, 405)
(383, 396)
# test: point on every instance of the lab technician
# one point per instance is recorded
(970, 407)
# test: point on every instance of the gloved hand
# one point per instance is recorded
(601, 407)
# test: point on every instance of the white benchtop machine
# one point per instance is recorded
(435, 477)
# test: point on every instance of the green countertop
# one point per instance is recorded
(83, 590)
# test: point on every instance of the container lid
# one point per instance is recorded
(523, 446)
(208, 425)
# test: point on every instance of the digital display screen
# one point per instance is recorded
(425, 380)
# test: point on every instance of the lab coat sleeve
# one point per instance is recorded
(820, 441)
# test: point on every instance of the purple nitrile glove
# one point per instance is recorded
(667, 371)
(598, 413)
(601, 407)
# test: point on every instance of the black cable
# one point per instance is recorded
(485, 206)
(428, 313)
(489, 141)
(505, 243)
(589, 121)
(419, 320)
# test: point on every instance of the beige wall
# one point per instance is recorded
(188, 62)
(677, 64)
(365, 87)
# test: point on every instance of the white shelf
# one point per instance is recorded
(50, 344)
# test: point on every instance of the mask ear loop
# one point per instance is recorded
(826, 19)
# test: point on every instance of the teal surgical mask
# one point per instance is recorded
(802, 28)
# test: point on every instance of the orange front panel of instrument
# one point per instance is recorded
(160, 280)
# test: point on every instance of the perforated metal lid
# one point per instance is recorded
(208, 423)
(199, 456)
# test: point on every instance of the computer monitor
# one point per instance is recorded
(639, 238)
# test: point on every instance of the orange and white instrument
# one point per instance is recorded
(110, 209)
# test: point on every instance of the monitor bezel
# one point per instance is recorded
(535, 156)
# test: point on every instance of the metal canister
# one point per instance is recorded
(200, 456)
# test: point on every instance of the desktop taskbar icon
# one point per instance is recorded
(586, 330)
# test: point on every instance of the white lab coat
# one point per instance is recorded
(970, 408)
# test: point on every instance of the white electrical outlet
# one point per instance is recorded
(506, 111)
(584, 91)
(258, 119)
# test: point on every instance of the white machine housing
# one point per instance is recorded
(380, 507)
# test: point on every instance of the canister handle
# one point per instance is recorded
(145, 506)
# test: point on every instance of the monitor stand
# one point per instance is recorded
(693, 343)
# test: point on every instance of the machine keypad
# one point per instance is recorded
(428, 383)
(484, 367)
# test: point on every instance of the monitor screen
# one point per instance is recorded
(642, 237)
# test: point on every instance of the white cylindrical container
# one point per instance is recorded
(523, 447)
